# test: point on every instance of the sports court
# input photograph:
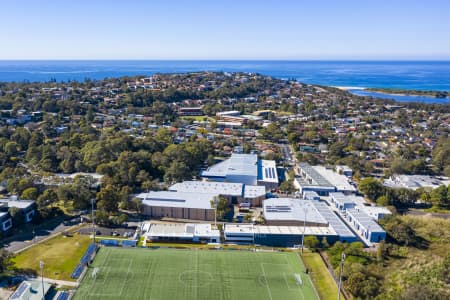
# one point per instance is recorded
(168, 274)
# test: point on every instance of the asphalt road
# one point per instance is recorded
(27, 240)
(287, 154)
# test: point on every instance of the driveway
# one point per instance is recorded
(25, 239)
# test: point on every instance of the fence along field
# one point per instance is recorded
(124, 273)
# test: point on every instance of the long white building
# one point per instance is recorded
(246, 169)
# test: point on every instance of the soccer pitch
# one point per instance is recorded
(169, 274)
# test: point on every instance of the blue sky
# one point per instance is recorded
(225, 29)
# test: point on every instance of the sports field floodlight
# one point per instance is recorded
(41, 266)
(93, 221)
(305, 210)
(341, 269)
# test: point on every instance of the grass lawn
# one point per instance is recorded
(60, 255)
(320, 276)
(133, 273)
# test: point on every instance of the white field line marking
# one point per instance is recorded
(267, 281)
(126, 278)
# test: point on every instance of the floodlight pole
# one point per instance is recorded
(215, 212)
(41, 266)
(304, 229)
(93, 221)
(341, 269)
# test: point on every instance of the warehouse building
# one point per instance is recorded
(365, 225)
(321, 180)
(292, 212)
(339, 181)
(239, 233)
(267, 174)
(235, 193)
(345, 202)
(275, 236)
(179, 232)
(343, 232)
(341, 201)
(246, 169)
(291, 236)
(309, 195)
(311, 180)
(376, 212)
(178, 205)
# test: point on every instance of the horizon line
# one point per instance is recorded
(235, 59)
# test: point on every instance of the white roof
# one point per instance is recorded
(336, 179)
(239, 228)
(295, 230)
(342, 199)
(177, 199)
(17, 203)
(250, 229)
(254, 191)
(313, 178)
(221, 188)
(229, 113)
(335, 222)
(211, 187)
(268, 171)
(365, 220)
(374, 211)
(181, 230)
(415, 181)
(237, 164)
(289, 209)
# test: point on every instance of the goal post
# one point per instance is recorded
(94, 273)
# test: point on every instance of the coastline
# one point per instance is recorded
(346, 88)
(360, 91)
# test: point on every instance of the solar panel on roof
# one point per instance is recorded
(336, 223)
(18, 293)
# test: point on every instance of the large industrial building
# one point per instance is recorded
(345, 202)
(365, 225)
(287, 219)
(178, 205)
(344, 234)
(235, 193)
(246, 169)
(321, 180)
(292, 212)
(192, 199)
(275, 236)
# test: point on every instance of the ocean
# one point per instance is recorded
(413, 75)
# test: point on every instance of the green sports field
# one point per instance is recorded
(169, 274)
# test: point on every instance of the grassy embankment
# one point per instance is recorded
(60, 255)
(324, 283)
